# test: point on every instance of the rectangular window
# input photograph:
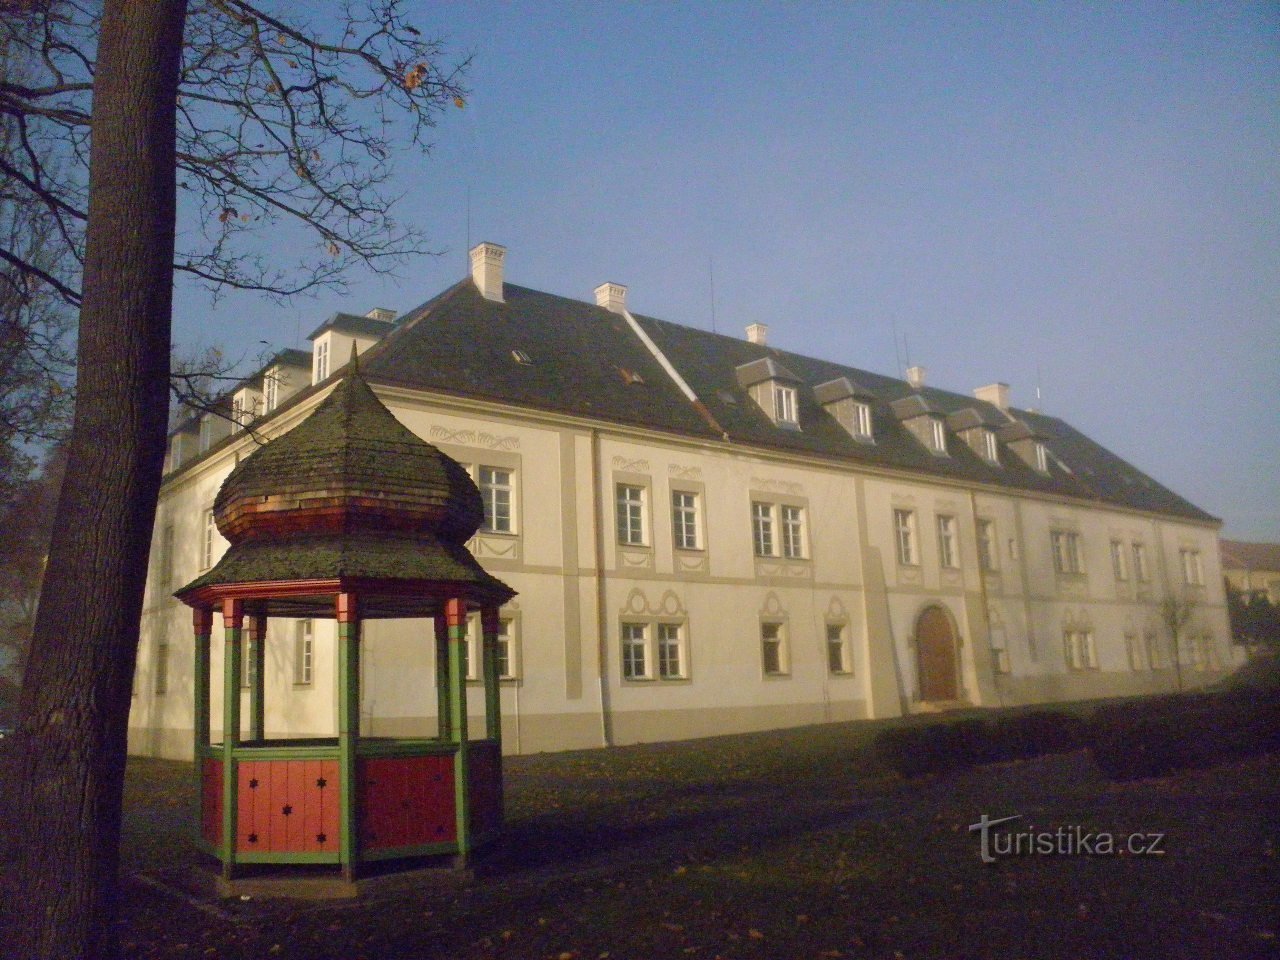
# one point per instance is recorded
(792, 532)
(272, 384)
(471, 648)
(246, 661)
(304, 653)
(630, 503)
(206, 432)
(1192, 568)
(862, 421)
(999, 650)
(784, 404)
(164, 562)
(670, 652)
(1155, 650)
(1118, 565)
(1042, 458)
(209, 529)
(1066, 551)
(948, 551)
(762, 528)
(161, 676)
(837, 649)
(987, 544)
(1206, 653)
(635, 648)
(904, 525)
(1141, 572)
(1079, 650)
(1137, 652)
(684, 519)
(322, 360)
(990, 450)
(505, 651)
(772, 649)
(937, 436)
(495, 492)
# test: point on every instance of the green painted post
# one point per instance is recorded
(444, 731)
(348, 733)
(456, 615)
(232, 621)
(202, 622)
(257, 678)
(492, 700)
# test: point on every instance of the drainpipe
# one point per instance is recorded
(602, 625)
(986, 610)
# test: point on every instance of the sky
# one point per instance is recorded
(1079, 199)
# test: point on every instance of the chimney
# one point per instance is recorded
(381, 313)
(996, 394)
(758, 333)
(915, 377)
(486, 269)
(612, 296)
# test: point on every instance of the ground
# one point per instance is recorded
(788, 844)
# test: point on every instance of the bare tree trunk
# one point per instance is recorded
(76, 692)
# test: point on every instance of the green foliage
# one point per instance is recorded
(959, 744)
(1156, 736)
(1255, 621)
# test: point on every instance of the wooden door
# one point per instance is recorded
(936, 655)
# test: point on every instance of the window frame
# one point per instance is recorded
(1192, 567)
(1139, 656)
(304, 653)
(791, 524)
(1068, 559)
(937, 435)
(786, 409)
(634, 638)
(906, 537)
(988, 544)
(1119, 562)
(271, 389)
(839, 654)
(322, 359)
(1141, 569)
(948, 542)
(1041, 453)
(863, 426)
(781, 665)
(490, 493)
(990, 446)
(763, 520)
(663, 643)
(1079, 650)
(686, 532)
(627, 536)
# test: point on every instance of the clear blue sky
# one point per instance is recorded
(1087, 195)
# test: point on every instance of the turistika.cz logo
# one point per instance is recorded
(1071, 841)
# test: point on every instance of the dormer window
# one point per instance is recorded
(862, 421)
(1042, 458)
(522, 358)
(937, 436)
(322, 360)
(850, 404)
(273, 389)
(990, 450)
(784, 404)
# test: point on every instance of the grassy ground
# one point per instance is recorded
(789, 844)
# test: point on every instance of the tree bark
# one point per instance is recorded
(76, 691)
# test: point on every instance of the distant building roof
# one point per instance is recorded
(1239, 555)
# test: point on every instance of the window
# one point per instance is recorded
(684, 519)
(1066, 551)
(1137, 652)
(495, 492)
(837, 649)
(904, 525)
(272, 384)
(670, 652)
(631, 515)
(990, 450)
(999, 650)
(1155, 650)
(246, 661)
(304, 653)
(762, 528)
(772, 649)
(322, 360)
(1192, 568)
(1042, 458)
(862, 421)
(1206, 653)
(792, 532)
(1079, 650)
(784, 404)
(505, 651)
(1118, 565)
(987, 544)
(937, 436)
(206, 433)
(948, 554)
(161, 677)
(164, 562)
(206, 540)
(1141, 572)
(635, 648)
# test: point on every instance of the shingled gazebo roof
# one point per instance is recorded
(349, 499)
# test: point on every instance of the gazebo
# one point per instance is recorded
(348, 516)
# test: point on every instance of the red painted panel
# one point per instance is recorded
(440, 825)
(405, 801)
(485, 775)
(277, 824)
(248, 836)
(211, 801)
(331, 793)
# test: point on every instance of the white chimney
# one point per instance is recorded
(612, 296)
(486, 269)
(381, 313)
(758, 333)
(996, 394)
(915, 377)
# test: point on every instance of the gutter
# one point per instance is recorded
(674, 374)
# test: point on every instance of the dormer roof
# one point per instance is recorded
(766, 368)
(915, 405)
(971, 418)
(1018, 430)
(351, 323)
(841, 388)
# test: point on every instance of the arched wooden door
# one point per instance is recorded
(936, 655)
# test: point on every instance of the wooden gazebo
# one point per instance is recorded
(353, 517)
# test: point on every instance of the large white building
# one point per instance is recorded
(707, 534)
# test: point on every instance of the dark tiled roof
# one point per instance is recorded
(460, 343)
(971, 417)
(841, 388)
(1239, 555)
(908, 408)
(766, 368)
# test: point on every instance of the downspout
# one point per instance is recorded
(986, 610)
(602, 645)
